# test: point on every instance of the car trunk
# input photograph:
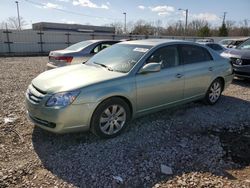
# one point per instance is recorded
(60, 57)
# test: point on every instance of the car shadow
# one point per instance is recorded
(241, 82)
(186, 138)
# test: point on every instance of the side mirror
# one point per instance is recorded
(150, 67)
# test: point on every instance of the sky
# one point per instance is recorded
(103, 12)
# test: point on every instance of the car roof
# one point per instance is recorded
(239, 39)
(205, 43)
(101, 40)
(226, 39)
(155, 42)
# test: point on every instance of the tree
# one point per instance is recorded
(12, 23)
(204, 31)
(118, 27)
(3, 25)
(223, 32)
(195, 26)
(245, 30)
(142, 27)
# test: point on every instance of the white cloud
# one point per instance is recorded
(164, 8)
(63, 0)
(163, 13)
(51, 5)
(205, 16)
(88, 3)
(141, 7)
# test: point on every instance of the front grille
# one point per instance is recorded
(43, 122)
(235, 61)
(34, 94)
(245, 61)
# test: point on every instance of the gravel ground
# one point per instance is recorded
(181, 138)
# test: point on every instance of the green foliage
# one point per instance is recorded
(204, 32)
(223, 32)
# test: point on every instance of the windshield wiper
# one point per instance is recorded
(105, 66)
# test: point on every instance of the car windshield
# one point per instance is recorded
(119, 57)
(244, 45)
(225, 42)
(79, 45)
(236, 42)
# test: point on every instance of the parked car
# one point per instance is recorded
(217, 47)
(125, 81)
(205, 40)
(225, 42)
(240, 59)
(236, 42)
(77, 53)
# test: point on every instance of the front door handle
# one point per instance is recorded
(210, 68)
(178, 75)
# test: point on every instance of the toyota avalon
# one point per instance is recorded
(124, 81)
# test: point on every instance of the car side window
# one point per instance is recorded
(105, 45)
(166, 56)
(194, 54)
(96, 49)
(101, 46)
(215, 47)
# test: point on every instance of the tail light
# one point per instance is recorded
(68, 59)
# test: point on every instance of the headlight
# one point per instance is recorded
(62, 99)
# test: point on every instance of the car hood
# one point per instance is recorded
(72, 77)
(244, 54)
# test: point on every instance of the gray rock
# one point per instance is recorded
(166, 170)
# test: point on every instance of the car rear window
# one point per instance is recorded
(194, 54)
(79, 45)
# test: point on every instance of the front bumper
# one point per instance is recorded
(75, 117)
(242, 71)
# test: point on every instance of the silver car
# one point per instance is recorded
(125, 81)
(77, 53)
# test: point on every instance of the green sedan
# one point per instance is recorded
(124, 81)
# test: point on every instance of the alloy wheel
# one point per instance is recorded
(112, 119)
(214, 92)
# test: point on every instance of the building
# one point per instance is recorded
(48, 26)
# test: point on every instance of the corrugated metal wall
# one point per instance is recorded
(30, 42)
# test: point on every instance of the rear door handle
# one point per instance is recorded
(210, 68)
(178, 75)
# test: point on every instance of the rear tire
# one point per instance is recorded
(110, 118)
(214, 92)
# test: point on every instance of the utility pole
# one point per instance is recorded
(125, 22)
(19, 26)
(186, 13)
(224, 17)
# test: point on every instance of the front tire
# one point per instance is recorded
(214, 92)
(110, 118)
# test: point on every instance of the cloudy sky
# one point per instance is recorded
(101, 12)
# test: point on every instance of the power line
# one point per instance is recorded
(68, 11)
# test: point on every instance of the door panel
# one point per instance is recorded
(197, 78)
(159, 88)
(198, 69)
